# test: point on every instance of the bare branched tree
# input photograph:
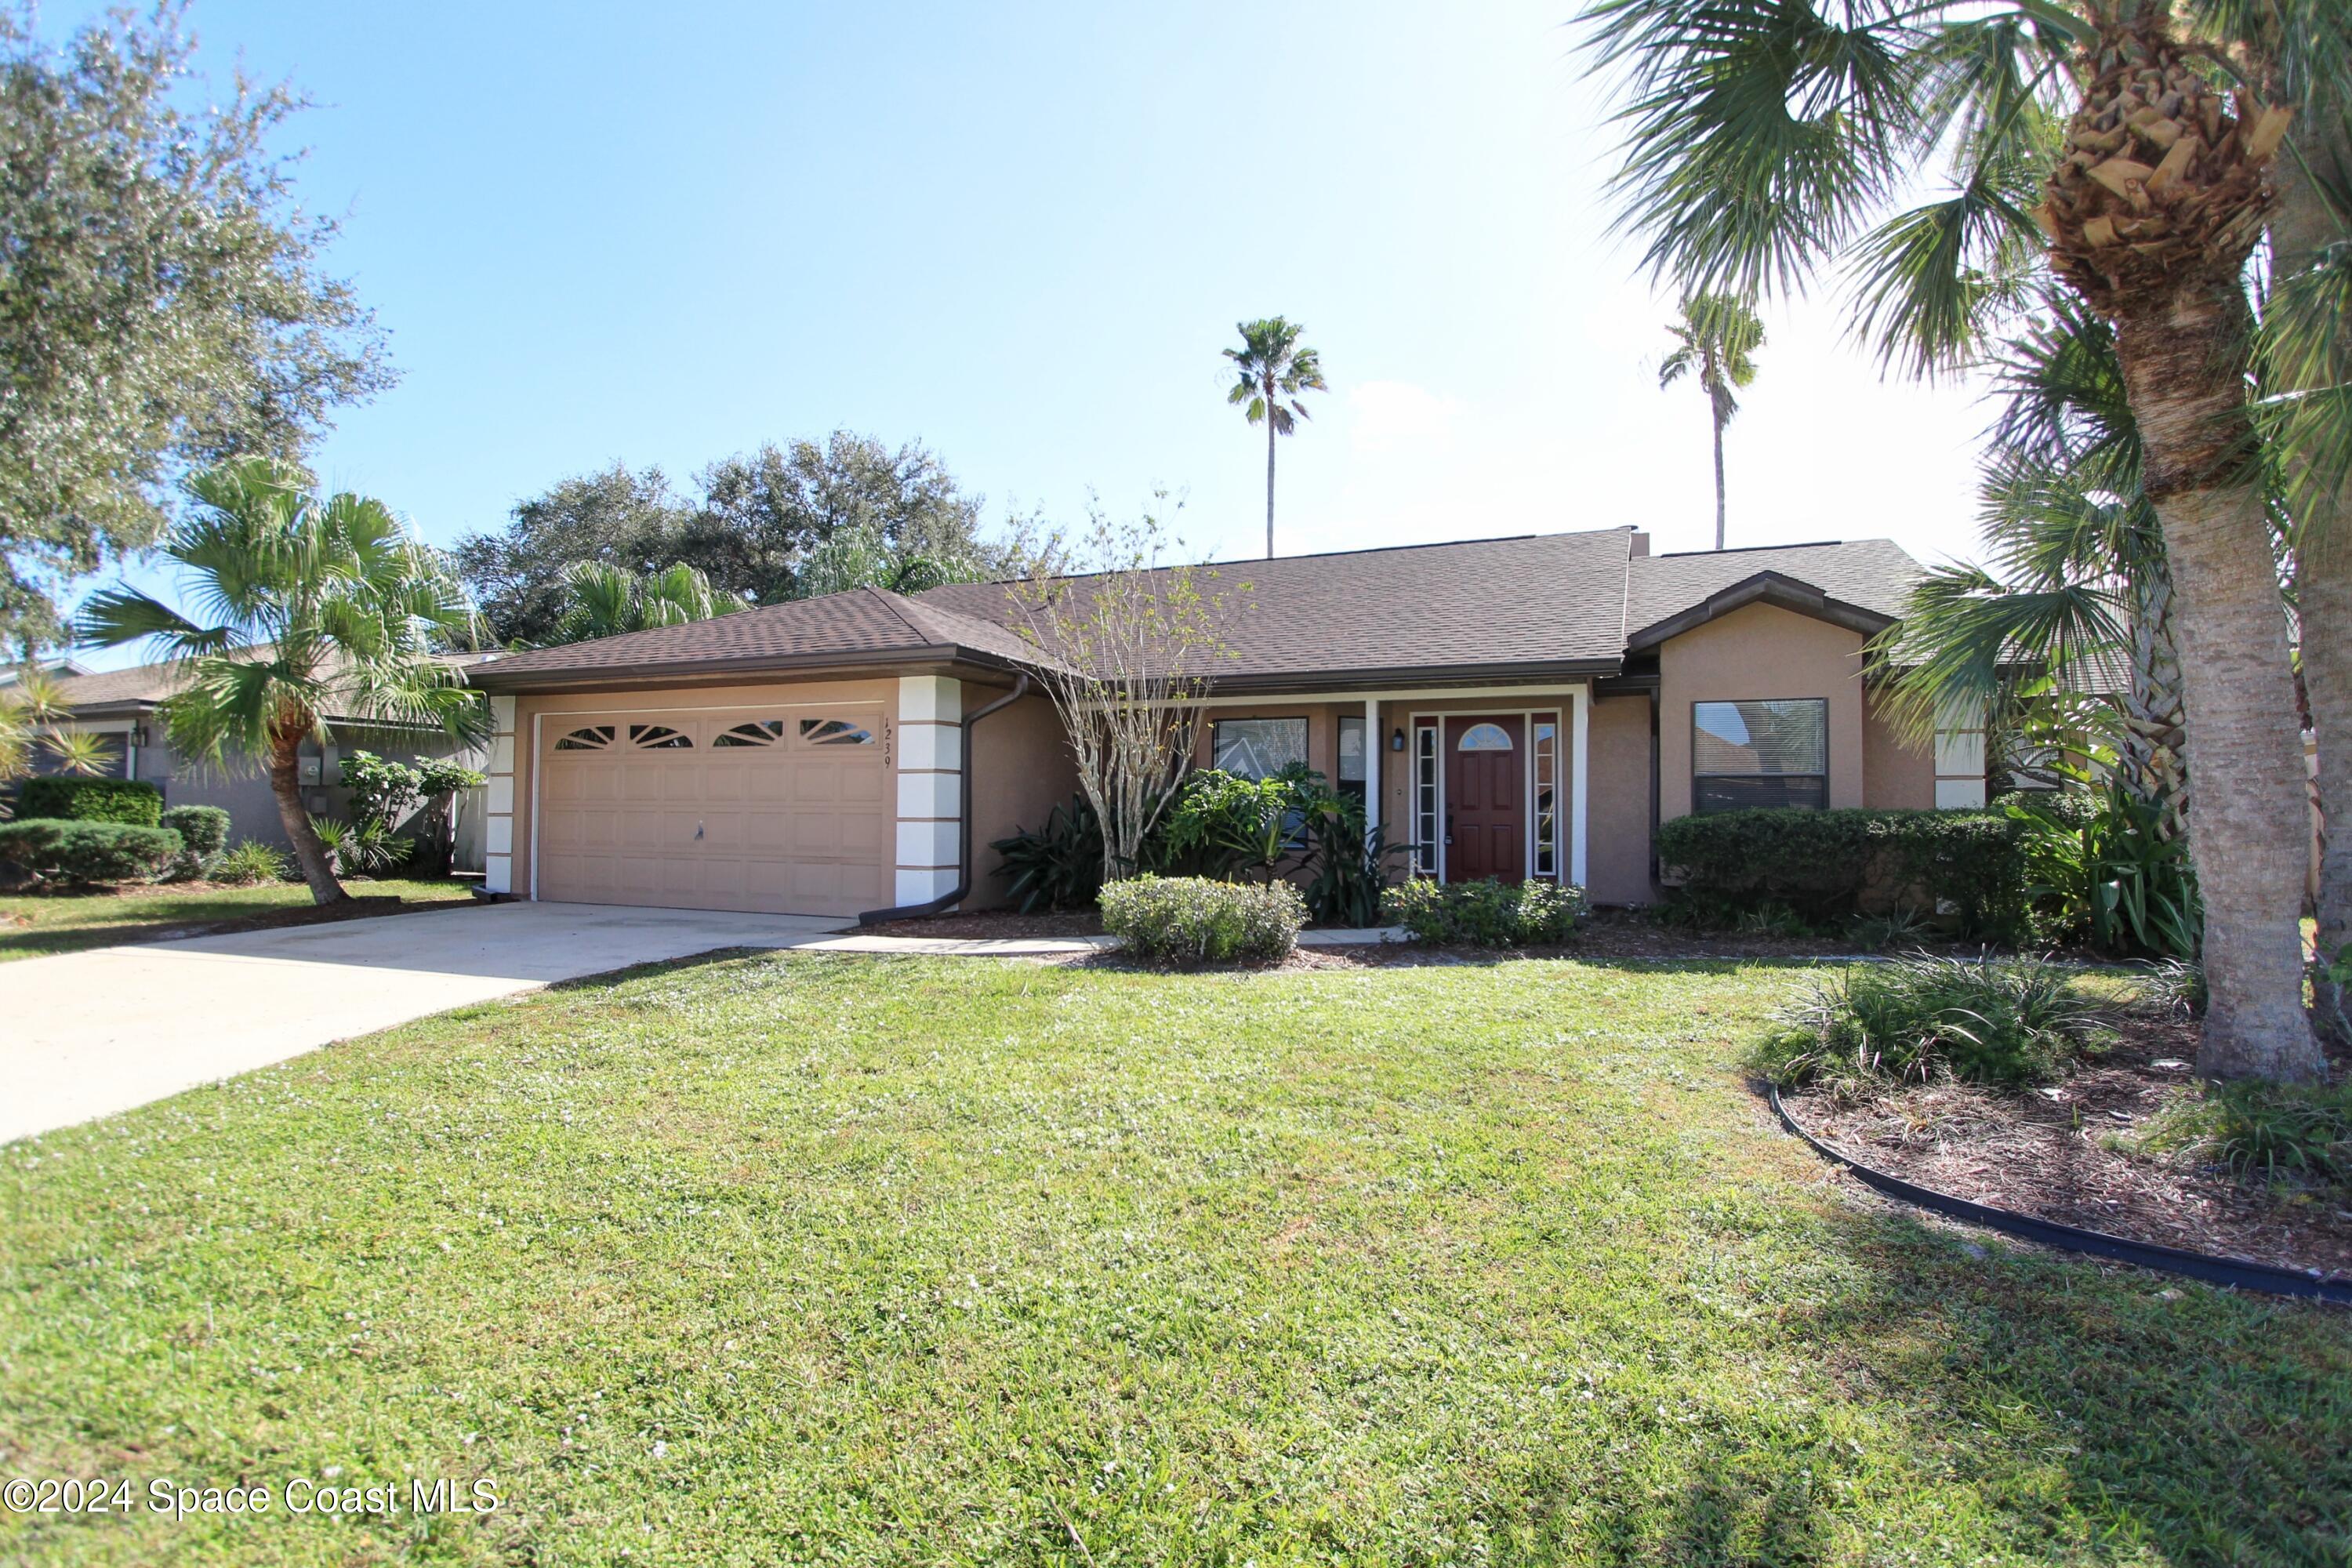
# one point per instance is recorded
(1128, 652)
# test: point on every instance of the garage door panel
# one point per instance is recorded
(791, 812)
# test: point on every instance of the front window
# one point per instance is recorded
(1257, 747)
(1351, 769)
(1761, 754)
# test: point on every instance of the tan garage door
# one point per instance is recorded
(759, 809)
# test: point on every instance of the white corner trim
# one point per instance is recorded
(1579, 779)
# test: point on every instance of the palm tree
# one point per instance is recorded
(33, 711)
(1270, 366)
(1717, 336)
(601, 601)
(2083, 586)
(2087, 139)
(304, 607)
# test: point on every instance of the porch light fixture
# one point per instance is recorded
(1396, 740)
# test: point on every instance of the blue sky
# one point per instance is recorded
(1022, 234)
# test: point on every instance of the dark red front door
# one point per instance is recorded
(1485, 817)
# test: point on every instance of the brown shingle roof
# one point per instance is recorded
(860, 623)
(1875, 573)
(1556, 603)
(1552, 599)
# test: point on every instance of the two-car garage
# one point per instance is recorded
(771, 809)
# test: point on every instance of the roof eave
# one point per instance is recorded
(1419, 677)
(1772, 588)
(731, 670)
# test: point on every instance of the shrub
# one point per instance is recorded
(70, 851)
(1486, 914)
(251, 861)
(1189, 921)
(62, 799)
(1224, 825)
(202, 830)
(360, 848)
(2259, 1131)
(381, 790)
(1830, 866)
(2099, 870)
(1059, 865)
(1990, 1021)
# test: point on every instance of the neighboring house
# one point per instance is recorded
(122, 706)
(1510, 706)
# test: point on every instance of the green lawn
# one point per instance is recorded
(35, 925)
(798, 1259)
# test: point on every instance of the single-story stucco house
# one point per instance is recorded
(122, 707)
(1529, 706)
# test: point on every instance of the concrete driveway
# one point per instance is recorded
(89, 1034)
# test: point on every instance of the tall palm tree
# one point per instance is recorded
(1269, 366)
(1717, 339)
(2087, 139)
(601, 601)
(303, 606)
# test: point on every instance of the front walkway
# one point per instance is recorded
(89, 1034)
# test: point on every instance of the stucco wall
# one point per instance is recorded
(1021, 769)
(1894, 776)
(1617, 843)
(1755, 653)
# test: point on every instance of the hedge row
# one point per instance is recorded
(65, 799)
(68, 851)
(1189, 921)
(1834, 864)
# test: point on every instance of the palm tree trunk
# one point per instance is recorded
(2153, 749)
(1718, 481)
(2300, 225)
(286, 784)
(1269, 480)
(2184, 359)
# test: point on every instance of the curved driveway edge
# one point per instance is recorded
(88, 1033)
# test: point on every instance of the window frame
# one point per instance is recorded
(1305, 731)
(1697, 804)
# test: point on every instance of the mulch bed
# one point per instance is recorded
(2056, 1153)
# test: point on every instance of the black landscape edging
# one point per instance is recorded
(2236, 1272)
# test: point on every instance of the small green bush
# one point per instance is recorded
(1188, 921)
(250, 861)
(1991, 1021)
(88, 852)
(2260, 1132)
(1489, 913)
(202, 830)
(1828, 867)
(62, 799)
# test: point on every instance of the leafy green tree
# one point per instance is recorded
(309, 606)
(766, 514)
(162, 304)
(1770, 141)
(759, 531)
(1270, 367)
(632, 523)
(1716, 342)
(601, 601)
